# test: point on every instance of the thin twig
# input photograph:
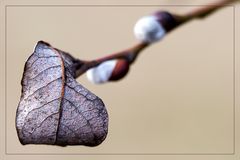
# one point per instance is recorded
(203, 12)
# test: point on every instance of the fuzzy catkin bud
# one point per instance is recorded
(154, 27)
(147, 29)
(102, 72)
(111, 70)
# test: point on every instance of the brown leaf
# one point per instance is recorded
(54, 108)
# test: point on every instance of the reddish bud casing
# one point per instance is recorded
(166, 19)
(120, 70)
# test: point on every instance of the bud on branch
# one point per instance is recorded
(147, 30)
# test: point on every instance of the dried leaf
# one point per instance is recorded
(54, 108)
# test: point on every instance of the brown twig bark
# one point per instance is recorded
(203, 12)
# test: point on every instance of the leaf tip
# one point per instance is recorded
(41, 44)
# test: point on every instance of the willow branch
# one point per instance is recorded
(131, 54)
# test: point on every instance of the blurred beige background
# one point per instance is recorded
(178, 97)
